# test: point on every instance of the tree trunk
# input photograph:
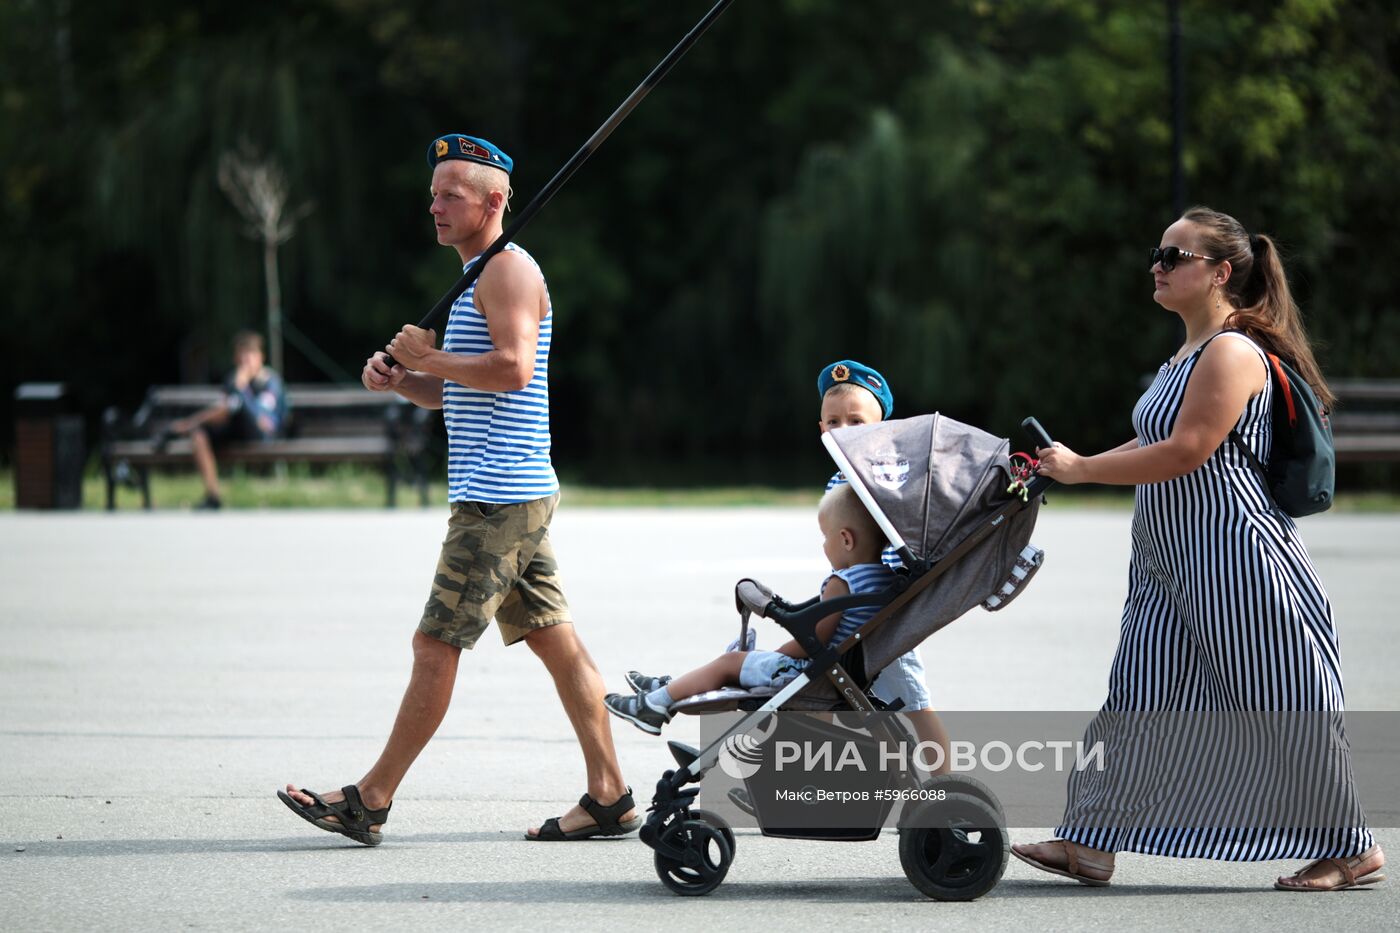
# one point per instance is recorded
(274, 308)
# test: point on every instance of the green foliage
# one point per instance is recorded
(960, 193)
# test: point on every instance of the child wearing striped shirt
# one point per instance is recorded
(853, 393)
(852, 542)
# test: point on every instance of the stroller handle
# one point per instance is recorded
(754, 596)
(1038, 433)
(1042, 438)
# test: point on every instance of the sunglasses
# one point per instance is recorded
(1169, 256)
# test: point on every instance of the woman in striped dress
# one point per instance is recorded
(1225, 615)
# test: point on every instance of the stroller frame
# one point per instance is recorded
(679, 833)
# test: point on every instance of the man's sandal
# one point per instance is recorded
(1075, 864)
(605, 819)
(355, 819)
(1346, 880)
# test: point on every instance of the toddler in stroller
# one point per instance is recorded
(942, 494)
(852, 542)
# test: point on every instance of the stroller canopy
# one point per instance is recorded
(925, 479)
(931, 482)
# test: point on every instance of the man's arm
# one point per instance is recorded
(216, 412)
(266, 400)
(510, 295)
(421, 389)
(235, 388)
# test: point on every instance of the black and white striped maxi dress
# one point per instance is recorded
(1222, 727)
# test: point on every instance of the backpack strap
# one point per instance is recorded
(1272, 367)
(1254, 462)
(1281, 379)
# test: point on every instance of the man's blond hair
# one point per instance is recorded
(842, 506)
(484, 179)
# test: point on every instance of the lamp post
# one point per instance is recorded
(1178, 104)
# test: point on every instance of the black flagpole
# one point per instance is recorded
(444, 304)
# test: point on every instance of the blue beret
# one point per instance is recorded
(861, 375)
(469, 149)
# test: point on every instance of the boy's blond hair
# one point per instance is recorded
(843, 506)
(846, 388)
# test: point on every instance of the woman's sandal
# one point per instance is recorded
(1075, 863)
(605, 819)
(355, 819)
(1346, 868)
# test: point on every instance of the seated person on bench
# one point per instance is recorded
(853, 542)
(254, 408)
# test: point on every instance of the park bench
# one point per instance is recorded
(1366, 422)
(326, 424)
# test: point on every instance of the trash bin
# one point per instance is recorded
(48, 448)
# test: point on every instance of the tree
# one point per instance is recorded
(257, 186)
(962, 191)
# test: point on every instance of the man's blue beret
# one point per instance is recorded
(470, 149)
(861, 375)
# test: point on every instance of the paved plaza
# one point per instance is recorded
(163, 674)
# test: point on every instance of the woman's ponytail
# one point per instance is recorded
(1258, 288)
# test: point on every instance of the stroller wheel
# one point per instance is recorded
(719, 823)
(970, 786)
(706, 816)
(705, 861)
(954, 849)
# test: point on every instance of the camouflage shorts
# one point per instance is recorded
(496, 561)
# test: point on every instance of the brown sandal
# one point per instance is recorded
(1075, 863)
(1346, 866)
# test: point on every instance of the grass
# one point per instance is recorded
(1372, 501)
(296, 486)
(352, 487)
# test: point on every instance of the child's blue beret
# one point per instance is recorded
(861, 375)
(470, 149)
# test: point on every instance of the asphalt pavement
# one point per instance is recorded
(161, 675)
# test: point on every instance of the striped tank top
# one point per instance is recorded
(861, 578)
(497, 442)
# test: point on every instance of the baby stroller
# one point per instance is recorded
(960, 517)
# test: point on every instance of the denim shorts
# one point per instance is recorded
(769, 669)
(904, 679)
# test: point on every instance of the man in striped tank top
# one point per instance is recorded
(853, 542)
(490, 378)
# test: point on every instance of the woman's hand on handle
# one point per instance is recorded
(1061, 464)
